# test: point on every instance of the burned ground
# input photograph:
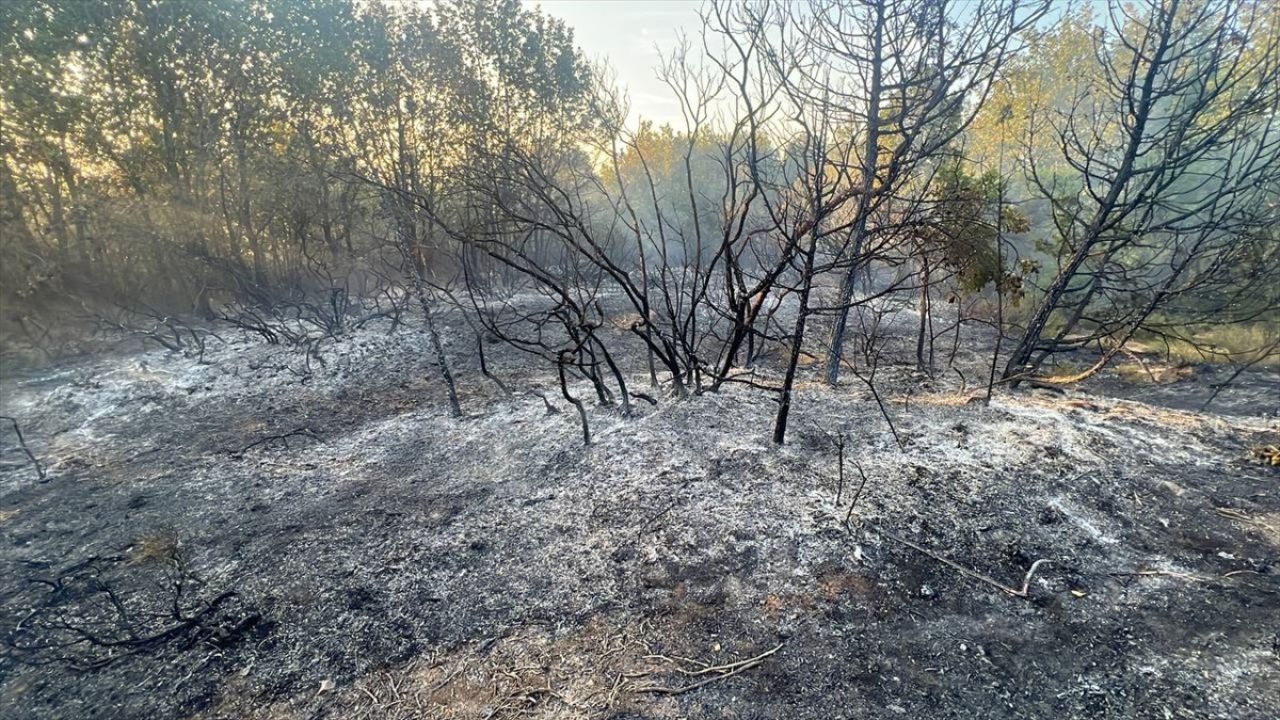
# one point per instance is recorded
(389, 561)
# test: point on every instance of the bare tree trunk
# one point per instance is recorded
(871, 153)
(575, 402)
(1006, 113)
(926, 313)
(797, 342)
(246, 218)
(1140, 100)
(437, 347)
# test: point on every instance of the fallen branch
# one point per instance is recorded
(1189, 577)
(974, 574)
(86, 621)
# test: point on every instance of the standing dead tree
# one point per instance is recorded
(1164, 195)
(688, 209)
(902, 80)
(867, 97)
(690, 283)
(565, 327)
(811, 187)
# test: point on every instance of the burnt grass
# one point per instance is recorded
(385, 560)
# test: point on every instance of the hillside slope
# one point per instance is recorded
(385, 560)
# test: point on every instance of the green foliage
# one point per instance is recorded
(967, 220)
(169, 151)
(1015, 122)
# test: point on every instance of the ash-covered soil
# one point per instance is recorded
(387, 561)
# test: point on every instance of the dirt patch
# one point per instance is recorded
(598, 668)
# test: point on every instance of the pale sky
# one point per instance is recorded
(630, 33)
(625, 32)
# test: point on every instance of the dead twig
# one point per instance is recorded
(854, 503)
(1240, 369)
(22, 444)
(551, 409)
(716, 673)
(1184, 576)
(1189, 577)
(282, 438)
(447, 679)
(840, 440)
(1243, 517)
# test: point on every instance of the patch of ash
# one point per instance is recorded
(388, 547)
